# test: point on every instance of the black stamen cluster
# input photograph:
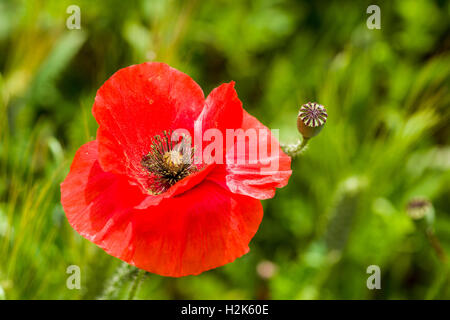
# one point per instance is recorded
(168, 163)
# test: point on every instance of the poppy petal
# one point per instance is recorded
(136, 104)
(178, 188)
(192, 233)
(257, 180)
(223, 109)
(98, 204)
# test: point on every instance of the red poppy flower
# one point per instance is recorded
(129, 192)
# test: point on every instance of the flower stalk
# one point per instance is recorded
(116, 281)
(136, 283)
(295, 149)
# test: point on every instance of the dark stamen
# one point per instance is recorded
(168, 163)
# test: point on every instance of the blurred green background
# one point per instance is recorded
(386, 141)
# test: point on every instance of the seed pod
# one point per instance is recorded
(311, 119)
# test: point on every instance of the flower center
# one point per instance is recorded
(168, 162)
(173, 159)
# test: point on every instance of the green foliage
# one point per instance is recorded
(386, 140)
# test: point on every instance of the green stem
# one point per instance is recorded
(442, 276)
(296, 149)
(116, 281)
(137, 281)
(436, 245)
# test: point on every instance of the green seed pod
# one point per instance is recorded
(311, 119)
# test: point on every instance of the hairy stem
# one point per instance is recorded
(113, 284)
(295, 149)
(137, 281)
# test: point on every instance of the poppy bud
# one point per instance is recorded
(421, 211)
(311, 119)
(420, 208)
